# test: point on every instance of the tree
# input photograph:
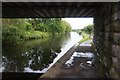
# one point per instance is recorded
(88, 29)
(15, 30)
(66, 26)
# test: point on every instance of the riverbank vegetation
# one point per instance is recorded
(15, 31)
(85, 32)
(88, 29)
(85, 38)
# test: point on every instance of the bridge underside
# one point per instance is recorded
(49, 9)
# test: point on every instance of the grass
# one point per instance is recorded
(85, 38)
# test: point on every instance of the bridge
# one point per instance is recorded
(106, 25)
(49, 10)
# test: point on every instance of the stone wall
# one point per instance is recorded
(107, 39)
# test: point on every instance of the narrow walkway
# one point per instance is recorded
(76, 63)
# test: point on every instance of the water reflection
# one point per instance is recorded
(35, 55)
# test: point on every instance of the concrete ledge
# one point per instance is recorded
(84, 49)
(57, 68)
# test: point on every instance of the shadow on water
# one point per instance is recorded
(32, 55)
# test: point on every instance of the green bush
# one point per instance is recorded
(88, 29)
(29, 27)
(11, 35)
(79, 32)
(35, 35)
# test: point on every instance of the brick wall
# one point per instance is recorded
(107, 39)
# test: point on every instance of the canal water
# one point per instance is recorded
(37, 55)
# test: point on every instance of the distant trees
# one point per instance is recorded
(80, 32)
(88, 29)
(50, 25)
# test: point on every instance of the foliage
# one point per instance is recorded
(88, 29)
(16, 30)
(34, 35)
(29, 27)
(79, 32)
(66, 26)
(12, 30)
(50, 25)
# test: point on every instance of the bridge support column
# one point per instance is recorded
(107, 39)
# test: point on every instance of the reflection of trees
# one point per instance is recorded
(13, 60)
(36, 54)
(41, 59)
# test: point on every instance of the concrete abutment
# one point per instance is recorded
(107, 39)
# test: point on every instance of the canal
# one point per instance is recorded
(37, 55)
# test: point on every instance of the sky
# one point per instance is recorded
(79, 23)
